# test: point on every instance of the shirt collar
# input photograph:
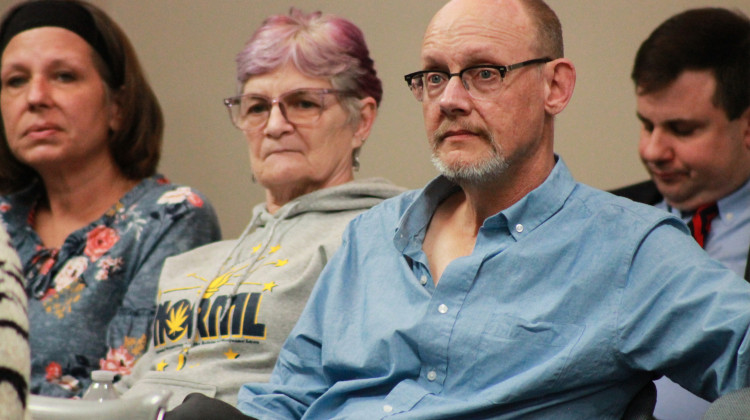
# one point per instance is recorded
(413, 225)
(540, 204)
(736, 202)
(529, 212)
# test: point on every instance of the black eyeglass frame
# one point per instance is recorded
(503, 70)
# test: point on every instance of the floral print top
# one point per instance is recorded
(91, 301)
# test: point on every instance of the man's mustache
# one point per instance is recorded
(447, 127)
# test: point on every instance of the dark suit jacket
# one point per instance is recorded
(642, 192)
(646, 192)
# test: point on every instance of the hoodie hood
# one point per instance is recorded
(354, 195)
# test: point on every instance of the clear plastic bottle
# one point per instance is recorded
(102, 387)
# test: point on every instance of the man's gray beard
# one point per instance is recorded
(476, 174)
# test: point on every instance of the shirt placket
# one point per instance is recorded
(440, 318)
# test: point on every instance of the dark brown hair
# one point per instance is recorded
(711, 39)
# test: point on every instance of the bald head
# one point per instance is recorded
(531, 20)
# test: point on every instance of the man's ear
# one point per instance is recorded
(560, 75)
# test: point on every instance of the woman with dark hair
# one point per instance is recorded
(91, 220)
(308, 96)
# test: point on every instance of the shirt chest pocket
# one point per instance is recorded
(523, 356)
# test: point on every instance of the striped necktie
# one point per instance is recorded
(700, 224)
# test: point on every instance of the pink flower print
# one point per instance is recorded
(107, 266)
(99, 240)
(195, 200)
(71, 271)
(179, 195)
(53, 372)
(4, 207)
(54, 375)
(118, 360)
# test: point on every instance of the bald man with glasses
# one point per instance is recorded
(504, 288)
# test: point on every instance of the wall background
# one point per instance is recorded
(188, 47)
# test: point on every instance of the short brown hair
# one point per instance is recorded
(549, 29)
(711, 39)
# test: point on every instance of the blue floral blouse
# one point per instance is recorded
(91, 301)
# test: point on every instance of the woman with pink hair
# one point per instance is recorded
(308, 97)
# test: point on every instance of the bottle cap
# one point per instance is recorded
(103, 375)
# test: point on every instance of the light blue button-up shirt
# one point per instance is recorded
(571, 299)
(728, 239)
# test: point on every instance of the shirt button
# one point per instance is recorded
(442, 308)
(387, 408)
(519, 228)
(431, 375)
(423, 280)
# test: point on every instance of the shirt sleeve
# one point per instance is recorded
(177, 228)
(685, 315)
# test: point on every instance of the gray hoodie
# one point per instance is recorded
(247, 295)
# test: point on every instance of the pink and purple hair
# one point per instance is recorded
(319, 45)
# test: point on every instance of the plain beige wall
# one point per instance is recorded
(188, 47)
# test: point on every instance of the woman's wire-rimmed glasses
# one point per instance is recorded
(300, 107)
(482, 82)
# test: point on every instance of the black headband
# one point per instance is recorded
(63, 14)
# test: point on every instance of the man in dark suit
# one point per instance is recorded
(692, 78)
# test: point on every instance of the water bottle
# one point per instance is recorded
(102, 387)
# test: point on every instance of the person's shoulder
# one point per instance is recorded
(157, 194)
(156, 200)
(214, 251)
(19, 202)
(393, 207)
(381, 220)
(376, 187)
(161, 191)
(620, 210)
(604, 218)
(14, 212)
